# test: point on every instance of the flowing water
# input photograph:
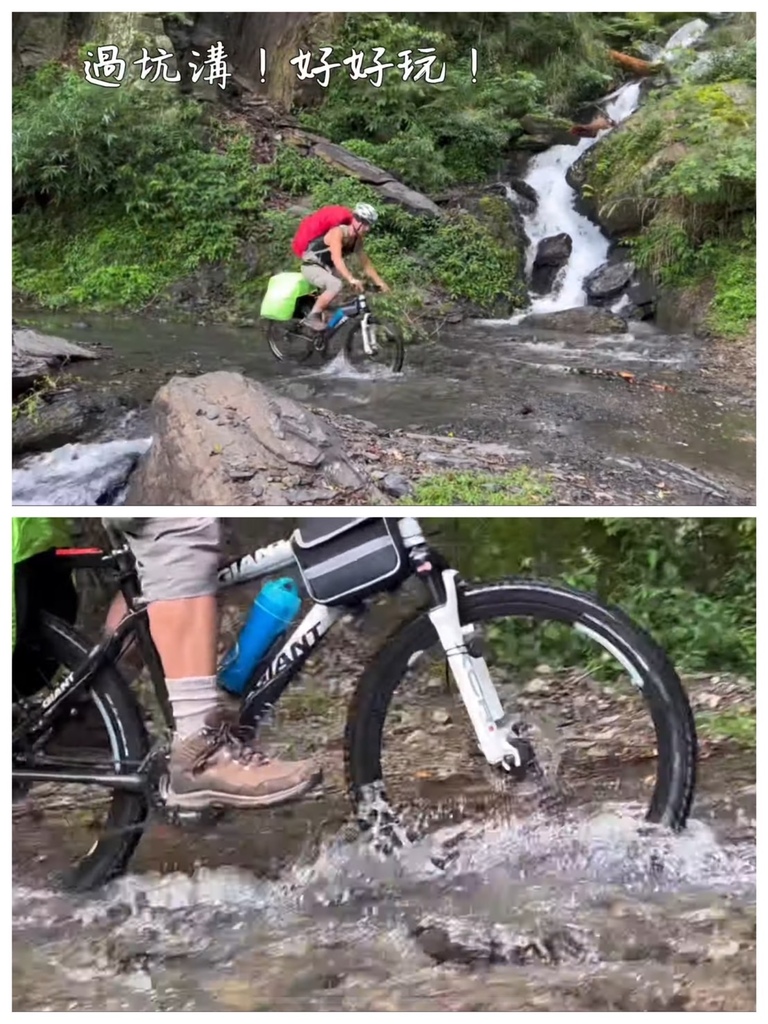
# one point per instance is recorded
(556, 213)
(595, 911)
(484, 382)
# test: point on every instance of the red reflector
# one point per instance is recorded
(79, 551)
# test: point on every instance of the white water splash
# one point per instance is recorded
(556, 213)
(78, 474)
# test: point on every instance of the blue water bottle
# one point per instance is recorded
(272, 612)
(338, 317)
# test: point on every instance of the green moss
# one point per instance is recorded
(694, 144)
(682, 172)
(522, 486)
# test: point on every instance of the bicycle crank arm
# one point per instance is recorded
(130, 783)
(472, 679)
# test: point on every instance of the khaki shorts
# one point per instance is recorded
(175, 558)
(321, 278)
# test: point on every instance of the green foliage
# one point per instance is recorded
(735, 275)
(137, 196)
(739, 728)
(470, 263)
(690, 582)
(75, 143)
(730, 64)
(520, 487)
(689, 160)
(455, 131)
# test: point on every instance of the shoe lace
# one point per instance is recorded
(239, 739)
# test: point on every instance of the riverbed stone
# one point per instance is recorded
(608, 281)
(33, 354)
(551, 254)
(262, 449)
(63, 419)
(579, 320)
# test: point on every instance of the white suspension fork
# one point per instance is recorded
(368, 331)
(472, 678)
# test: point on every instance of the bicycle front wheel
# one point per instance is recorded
(386, 345)
(104, 732)
(518, 620)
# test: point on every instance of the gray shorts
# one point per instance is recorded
(321, 278)
(175, 558)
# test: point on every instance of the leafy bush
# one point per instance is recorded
(735, 62)
(690, 582)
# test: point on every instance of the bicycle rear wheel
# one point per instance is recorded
(379, 770)
(388, 348)
(105, 731)
(291, 343)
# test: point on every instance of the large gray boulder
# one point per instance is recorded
(223, 439)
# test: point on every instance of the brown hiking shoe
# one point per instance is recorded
(314, 321)
(219, 766)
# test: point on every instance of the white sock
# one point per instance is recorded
(192, 700)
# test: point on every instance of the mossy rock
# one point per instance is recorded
(545, 130)
(674, 149)
(501, 222)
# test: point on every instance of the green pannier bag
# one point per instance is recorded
(283, 292)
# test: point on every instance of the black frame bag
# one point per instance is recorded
(343, 561)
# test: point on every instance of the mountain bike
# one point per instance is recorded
(343, 566)
(363, 339)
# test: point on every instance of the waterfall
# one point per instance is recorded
(556, 212)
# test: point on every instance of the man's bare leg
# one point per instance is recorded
(177, 560)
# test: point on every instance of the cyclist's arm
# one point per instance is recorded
(333, 240)
(368, 268)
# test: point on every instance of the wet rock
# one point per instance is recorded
(271, 441)
(471, 943)
(417, 737)
(551, 254)
(396, 485)
(608, 281)
(527, 194)
(503, 220)
(26, 371)
(543, 131)
(642, 293)
(34, 354)
(62, 419)
(78, 474)
(201, 290)
(723, 950)
(437, 943)
(446, 460)
(537, 686)
(580, 320)
(441, 717)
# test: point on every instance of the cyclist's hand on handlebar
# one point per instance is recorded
(356, 284)
(384, 287)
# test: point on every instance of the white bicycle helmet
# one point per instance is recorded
(366, 213)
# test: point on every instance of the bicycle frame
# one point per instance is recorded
(279, 667)
(357, 308)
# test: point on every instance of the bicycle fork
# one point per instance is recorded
(473, 680)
